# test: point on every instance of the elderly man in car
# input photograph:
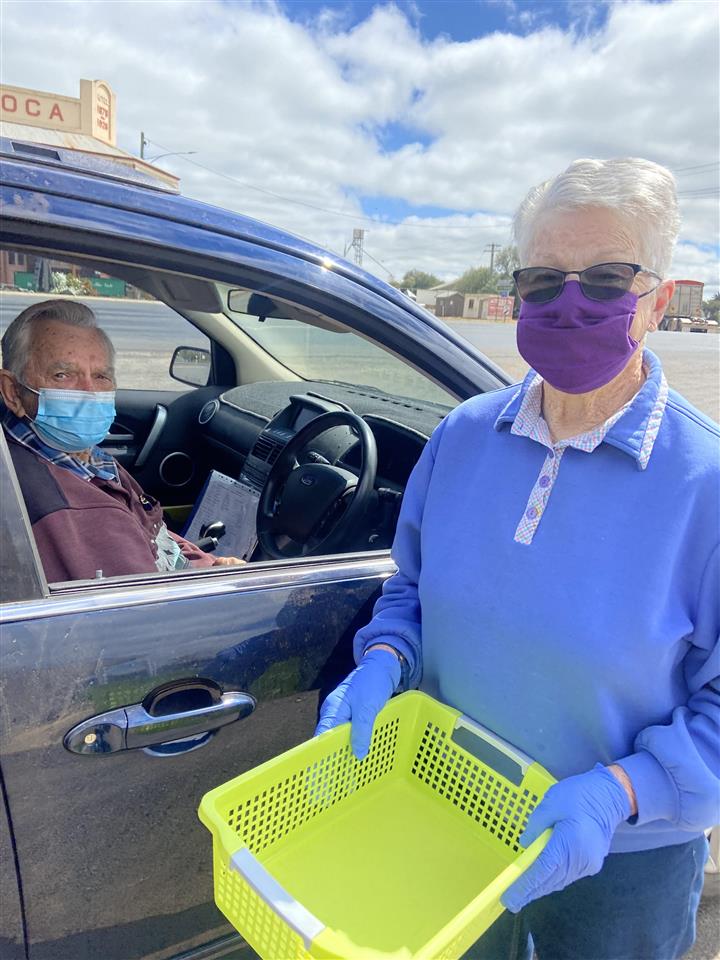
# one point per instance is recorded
(89, 517)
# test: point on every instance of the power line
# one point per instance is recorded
(341, 213)
(699, 166)
(380, 264)
(700, 194)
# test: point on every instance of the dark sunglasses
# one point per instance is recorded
(602, 281)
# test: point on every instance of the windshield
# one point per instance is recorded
(334, 353)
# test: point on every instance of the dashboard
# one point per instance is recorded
(248, 426)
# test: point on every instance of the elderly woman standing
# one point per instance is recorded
(558, 574)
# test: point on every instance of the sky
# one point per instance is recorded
(423, 122)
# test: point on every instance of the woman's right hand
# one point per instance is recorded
(361, 697)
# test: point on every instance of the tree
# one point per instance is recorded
(67, 283)
(506, 261)
(711, 308)
(477, 280)
(418, 280)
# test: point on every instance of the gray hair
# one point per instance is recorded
(17, 339)
(640, 191)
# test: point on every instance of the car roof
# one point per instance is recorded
(87, 177)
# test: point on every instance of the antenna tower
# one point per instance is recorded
(356, 245)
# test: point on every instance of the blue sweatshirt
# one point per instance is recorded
(599, 640)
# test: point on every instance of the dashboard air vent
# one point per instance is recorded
(254, 477)
(266, 449)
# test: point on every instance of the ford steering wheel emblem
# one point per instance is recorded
(307, 479)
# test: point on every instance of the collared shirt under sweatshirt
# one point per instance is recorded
(90, 517)
(597, 640)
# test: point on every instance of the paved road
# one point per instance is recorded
(132, 324)
(691, 360)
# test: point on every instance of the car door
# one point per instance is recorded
(101, 798)
(112, 859)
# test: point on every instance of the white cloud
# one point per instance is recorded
(692, 262)
(296, 108)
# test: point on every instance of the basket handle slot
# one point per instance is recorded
(490, 749)
(293, 913)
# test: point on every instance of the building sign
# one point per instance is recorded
(102, 111)
(92, 113)
(500, 308)
(39, 109)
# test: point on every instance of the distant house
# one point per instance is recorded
(426, 298)
(474, 306)
(450, 305)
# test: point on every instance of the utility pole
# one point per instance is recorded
(356, 245)
(143, 144)
(492, 247)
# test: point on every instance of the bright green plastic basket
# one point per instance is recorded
(403, 854)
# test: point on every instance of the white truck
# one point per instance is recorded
(685, 312)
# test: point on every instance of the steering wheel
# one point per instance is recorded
(315, 506)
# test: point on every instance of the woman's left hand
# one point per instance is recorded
(584, 811)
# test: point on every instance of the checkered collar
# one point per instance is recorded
(99, 463)
(634, 429)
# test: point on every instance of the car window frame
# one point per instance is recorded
(20, 595)
(247, 263)
(22, 577)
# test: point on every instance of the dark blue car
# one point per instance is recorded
(248, 352)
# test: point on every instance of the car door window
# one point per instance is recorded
(144, 330)
(277, 348)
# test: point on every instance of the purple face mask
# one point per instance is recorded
(575, 343)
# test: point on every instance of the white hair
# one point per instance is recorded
(640, 191)
(17, 339)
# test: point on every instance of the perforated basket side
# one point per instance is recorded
(271, 803)
(474, 789)
(263, 929)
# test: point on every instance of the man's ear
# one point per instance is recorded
(663, 296)
(10, 392)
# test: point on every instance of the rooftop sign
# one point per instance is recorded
(92, 113)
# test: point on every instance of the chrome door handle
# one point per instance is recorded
(128, 728)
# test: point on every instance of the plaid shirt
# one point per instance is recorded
(99, 464)
(529, 422)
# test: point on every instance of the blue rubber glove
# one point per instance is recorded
(585, 811)
(361, 697)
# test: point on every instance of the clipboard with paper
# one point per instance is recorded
(233, 502)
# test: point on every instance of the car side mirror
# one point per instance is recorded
(191, 365)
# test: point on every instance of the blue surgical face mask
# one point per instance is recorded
(73, 420)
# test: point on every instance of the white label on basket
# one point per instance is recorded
(304, 923)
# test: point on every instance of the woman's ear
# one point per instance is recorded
(663, 296)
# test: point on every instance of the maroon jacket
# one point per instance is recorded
(82, 526)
